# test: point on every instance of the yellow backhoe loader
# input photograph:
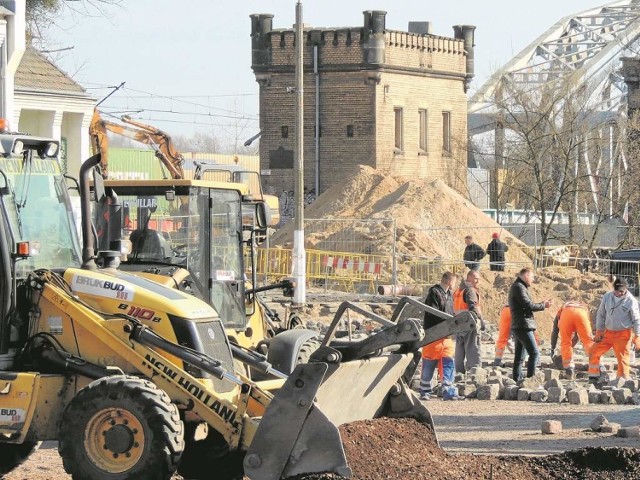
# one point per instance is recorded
(176, 241)
(135, 380)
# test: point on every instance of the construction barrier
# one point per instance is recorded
(355, 264)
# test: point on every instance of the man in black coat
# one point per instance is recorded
(523, 324)
(496, 250)
(473, 253)
(441, 351)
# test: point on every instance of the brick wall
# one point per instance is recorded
(419, 72)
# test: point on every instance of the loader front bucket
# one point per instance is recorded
(299, 432)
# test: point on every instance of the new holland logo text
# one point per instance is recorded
(214, 405)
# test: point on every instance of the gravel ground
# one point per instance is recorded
(471, 426)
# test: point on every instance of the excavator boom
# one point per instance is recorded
(158, 140)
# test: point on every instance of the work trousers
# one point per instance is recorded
(468, 351)
(574, 320)
(447, 374)
(620, 341)
(525, 342)
(504, 332)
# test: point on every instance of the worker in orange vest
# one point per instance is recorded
(572, 318)
(466, 297)
(439, 353)
(617, 327)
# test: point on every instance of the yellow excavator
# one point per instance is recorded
(135, 380)
(174, 243)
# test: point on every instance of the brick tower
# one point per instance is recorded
(392, 100)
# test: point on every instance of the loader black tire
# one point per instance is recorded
(120, 428)
(306, 349)
(12, 455)
(211, 454)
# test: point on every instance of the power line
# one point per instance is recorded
(155, 110)
(184, 122)
(177, 98)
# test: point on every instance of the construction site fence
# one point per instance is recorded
(330, 271)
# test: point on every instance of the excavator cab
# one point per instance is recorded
(183, 232)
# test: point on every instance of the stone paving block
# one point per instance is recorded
(554, 382)
(551, 427)
(523, 394)
(468, 390)
(539, 396)
(610, 428)
(578, 396)
(622, 396)
(572, 385)
(508, 382)
(635, 398)
(511, 392)
(495, 380)
(595, 396)
(534, 382)
(556, 394)
(479, 372)
(550, 374)
(631, 385)
(488, 392)
(598, 422)
(617, 383)
(629, 432)
(606, 397)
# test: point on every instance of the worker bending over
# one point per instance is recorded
(617, 326)
(573, 318)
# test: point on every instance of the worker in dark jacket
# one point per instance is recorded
(496, 250)
(439, 353)
(473, 253)
(523, 324)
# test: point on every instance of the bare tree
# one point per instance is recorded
(211, 142)
(42, 14)
(553, 154)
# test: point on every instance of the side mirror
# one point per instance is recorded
(263, 215)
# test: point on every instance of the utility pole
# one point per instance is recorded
(299, 256)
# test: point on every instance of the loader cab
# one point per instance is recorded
(185, 232)
(37, 227)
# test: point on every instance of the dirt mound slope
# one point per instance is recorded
(430, 218)
(397, 449)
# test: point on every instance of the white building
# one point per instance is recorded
(36, 96)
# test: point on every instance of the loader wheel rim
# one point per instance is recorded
(114, 440)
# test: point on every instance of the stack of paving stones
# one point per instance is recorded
(495, 383)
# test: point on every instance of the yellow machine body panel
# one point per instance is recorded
(31, 405)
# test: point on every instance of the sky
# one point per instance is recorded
(187, 64)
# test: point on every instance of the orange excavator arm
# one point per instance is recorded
(158, 140)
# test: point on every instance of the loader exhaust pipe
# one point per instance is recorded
(88, 243)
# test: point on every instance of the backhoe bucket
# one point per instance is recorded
(299, 431)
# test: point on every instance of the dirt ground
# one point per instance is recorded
(464, 428)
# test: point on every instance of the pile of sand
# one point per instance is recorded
(431, 218)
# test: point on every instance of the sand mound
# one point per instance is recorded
(431, 218)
